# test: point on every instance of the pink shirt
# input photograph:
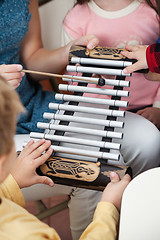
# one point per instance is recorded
(135, 24)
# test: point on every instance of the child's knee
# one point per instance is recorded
(142, 151)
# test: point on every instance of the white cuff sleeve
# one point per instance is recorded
(156, 104)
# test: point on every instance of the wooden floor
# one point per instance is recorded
(59, 221)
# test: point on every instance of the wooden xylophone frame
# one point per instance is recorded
(77, 173)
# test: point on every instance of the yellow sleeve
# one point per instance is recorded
(104, 224)
(10, 190)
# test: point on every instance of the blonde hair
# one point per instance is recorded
(10, 107)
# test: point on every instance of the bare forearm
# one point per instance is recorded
(48, 61)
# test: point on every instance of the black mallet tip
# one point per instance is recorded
(101, 82)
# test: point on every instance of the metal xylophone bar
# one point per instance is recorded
(104, 133)
(100, 62)
(112, 82)
(110, 102)
(100, 71)
(102, 91)
(89, 142)
(100, 111)
(95, 121)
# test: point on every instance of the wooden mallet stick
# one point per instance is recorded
(101, 81)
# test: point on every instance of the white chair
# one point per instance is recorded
(140, 211)
(52, 13)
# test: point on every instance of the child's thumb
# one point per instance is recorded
(114, 177)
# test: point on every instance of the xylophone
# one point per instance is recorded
(83, 131)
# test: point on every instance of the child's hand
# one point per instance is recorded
(136, 52)
(114, 190)
(91, 41)
(29, 160)
(12, 74)
(152, 114)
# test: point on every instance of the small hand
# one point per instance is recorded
(114, 190)
(91, 41)
(29, 160)
(152, 114)
(136, 52)
(12, 74)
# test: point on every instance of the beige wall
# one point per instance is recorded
(51, 15)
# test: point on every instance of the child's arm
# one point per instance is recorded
(12, 74)
(29, 160)
(9, 189)
(35, 57)
(147, 57)
(106, 217)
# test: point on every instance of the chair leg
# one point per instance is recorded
(44, 212)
